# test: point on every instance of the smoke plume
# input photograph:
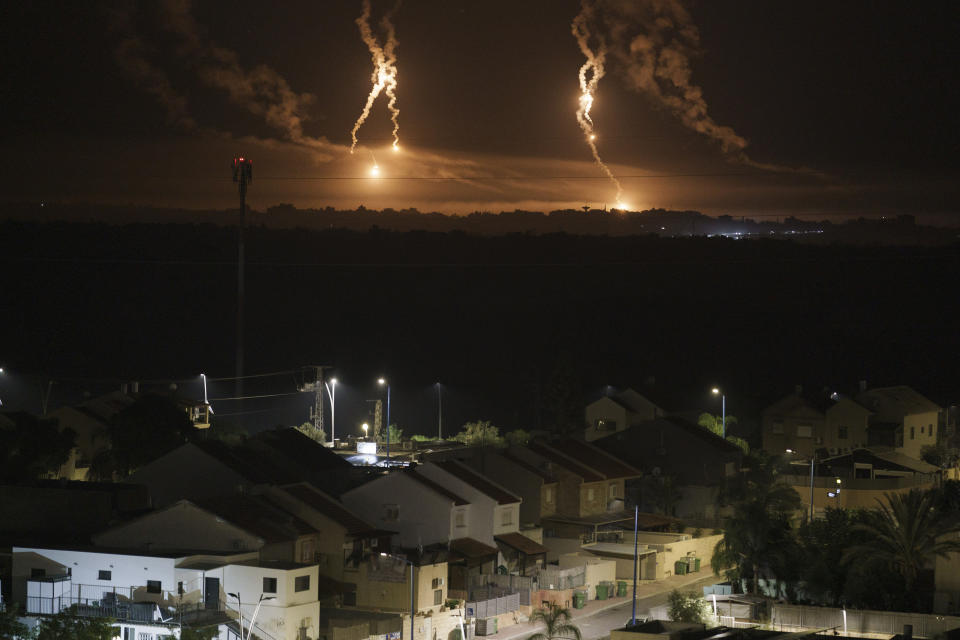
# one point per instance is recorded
(589, 76)
(384, 76)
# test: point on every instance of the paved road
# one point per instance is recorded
(599, 624)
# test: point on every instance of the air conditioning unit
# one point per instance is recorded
(486, 626)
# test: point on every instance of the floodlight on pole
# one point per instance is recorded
(332, 394)
(723, 409)
(243, 176)
(383, 382)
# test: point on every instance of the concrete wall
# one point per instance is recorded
(700, 547)
(802, 416)
(597, 570)
(851, 415)
(518, 480)
(395, 596)
(482, 506)
(854, 494)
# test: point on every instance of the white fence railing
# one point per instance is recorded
(493, 606)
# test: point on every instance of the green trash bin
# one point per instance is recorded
(680, 567)
(602, 591)
(579, 599)
(696, 564)
(621, 589)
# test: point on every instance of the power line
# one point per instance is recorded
(266, 395)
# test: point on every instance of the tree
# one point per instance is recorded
(140, 433)
(33, 447)
(204, 633)
(757, 537)
(739, 442)
(686, 607)
(822, 544)
(66, 625)
(396, 434)
(557, 624)
(479, 433)
(10, 625)
(906, 532)
(314, 433)
(715, 423)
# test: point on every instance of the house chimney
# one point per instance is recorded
(908, 632)
(863, 386)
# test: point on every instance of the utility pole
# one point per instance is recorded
(317, 386)
(243, 176)
(439, 411)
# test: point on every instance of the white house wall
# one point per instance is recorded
(425, 516)
(481, 505)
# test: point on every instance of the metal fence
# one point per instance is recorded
(493, 606)
(858, 621)
(550, 578)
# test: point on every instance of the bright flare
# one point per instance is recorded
(384, 76)
(375, 171)
(590, 73)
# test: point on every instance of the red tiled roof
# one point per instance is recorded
(330, 508)
(478, 482)
(594, 458)
(457, 500)
(573, 466)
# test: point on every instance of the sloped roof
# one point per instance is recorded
(248, 463)
(896, 401)
(332, 509)
(608, 465)
(632, 401)
(422, 479)
(258, 516)
(906, 461)
(794, 402)
(588, 475)
(521, 543)
(300, 449)
(548, 478)
(477, 481)
(470, 548)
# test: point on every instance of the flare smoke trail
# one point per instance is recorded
(384, 76)
(590, 73)
(653, 41)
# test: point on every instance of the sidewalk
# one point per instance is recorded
(645, 589)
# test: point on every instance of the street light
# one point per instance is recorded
(364, 426)
(723, 409)
(332, 394)
(382, 382)
(813, 460)
(255, 612)
(439, 411)
(387, 555)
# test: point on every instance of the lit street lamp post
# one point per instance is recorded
(364, 426)
(255, 612)
(332, 394)
(382, 382)
(813, 460)
(410, 563)
(723, 409)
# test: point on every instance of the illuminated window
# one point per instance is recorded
(590, 494)
(613, 490)
(804, 431)
(548, 495)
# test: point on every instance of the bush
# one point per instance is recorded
(686, 607)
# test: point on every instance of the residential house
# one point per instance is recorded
(917, 417)
(806, 424)
(384, 582)
(306, 458)
(422, 511)
(857, 480)
(615, 413)
(147, 588)
(536, 487)
(590, 485)
(685, 465)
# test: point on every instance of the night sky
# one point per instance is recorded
(845, 108)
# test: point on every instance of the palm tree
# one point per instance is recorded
(556, 619)
(907, 532)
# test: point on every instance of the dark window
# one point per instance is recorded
(180, 588)
(128, 633)
(38, 573)
(438, 596)
(104, 575)
(270, 585)
(912, 432)
(350, 598)
(301, 583)
(153, 586)
(842, 432)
